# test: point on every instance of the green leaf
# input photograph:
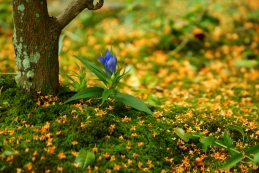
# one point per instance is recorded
(256, 158)
(95, 69)
(82, 84)
(196, 134)
(78, 67)
(60, 43)
(85, 158)
(245, 63)
(106, 93)
(8, 151)
(123, 74)
(75, 73)
(118, 77)
(220, 143)
(206, 141)
(180, 132)
(228, 141)
(232, 161)
(237, 128)
(73, 80)
(86, 93)
(1, 79)
(133, 102)
(8, 147)
(2, 169)
(188, 135)
(252, 150)
(204, 147)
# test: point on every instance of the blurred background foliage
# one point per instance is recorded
(154, 38)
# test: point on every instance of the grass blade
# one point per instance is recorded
(256, 158)
(237, 128)
(232, 161)
(253, 150)
(106, 93)
(95, 69)
(86, 93)
(180, 132)
(133, 102)
(206, 141)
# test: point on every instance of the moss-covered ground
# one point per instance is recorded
(46, 135)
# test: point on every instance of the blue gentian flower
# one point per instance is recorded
(109, 61)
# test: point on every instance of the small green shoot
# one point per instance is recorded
(85, 158)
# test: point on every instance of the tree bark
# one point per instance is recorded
(75, 8)
(35, 39)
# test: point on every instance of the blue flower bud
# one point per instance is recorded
(109, 61)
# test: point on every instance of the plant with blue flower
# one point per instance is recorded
(109, 62)
(110, 76)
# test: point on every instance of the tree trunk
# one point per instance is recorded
(35, 40)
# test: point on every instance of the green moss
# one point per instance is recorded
(35, 57)
(30, 74)
(21, 8)
(17, 77)
(18, 62)
(26, 63)
(27, 85)
(58, 125)
(18, 47)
